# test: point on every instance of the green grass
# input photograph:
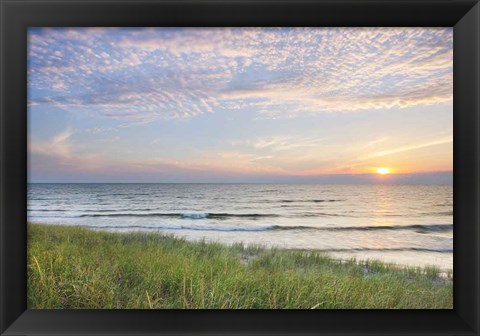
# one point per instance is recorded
(79, 268)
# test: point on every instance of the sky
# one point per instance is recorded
(313, 105)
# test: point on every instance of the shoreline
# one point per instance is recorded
(72, 267)
(399, 258)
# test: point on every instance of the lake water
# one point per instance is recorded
(405, 224)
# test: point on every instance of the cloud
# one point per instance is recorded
(59, 146)
(441, 141)
(142, 75)
(60, 156)
(99, 130)
(279, 143)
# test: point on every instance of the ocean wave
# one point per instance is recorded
(207, 215)
(181, 215)
(183, 227)
(87, 211)
(202, 215)
(320, 214)
(425, 228)
(299, 200)
(195, 215)
(150, 212)
(416, 227)
(54, 216)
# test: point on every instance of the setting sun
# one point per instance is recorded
(383, 171)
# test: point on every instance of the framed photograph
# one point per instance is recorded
(209, 167)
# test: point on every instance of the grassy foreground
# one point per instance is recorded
(79, 268)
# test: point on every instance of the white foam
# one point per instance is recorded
(195, 215)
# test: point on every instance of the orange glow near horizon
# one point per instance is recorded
(383, 170)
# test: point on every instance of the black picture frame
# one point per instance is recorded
(17, 15)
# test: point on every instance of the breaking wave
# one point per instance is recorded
(425, 228)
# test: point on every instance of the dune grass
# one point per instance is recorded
(79, 268)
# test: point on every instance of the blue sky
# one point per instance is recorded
(240, 104)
